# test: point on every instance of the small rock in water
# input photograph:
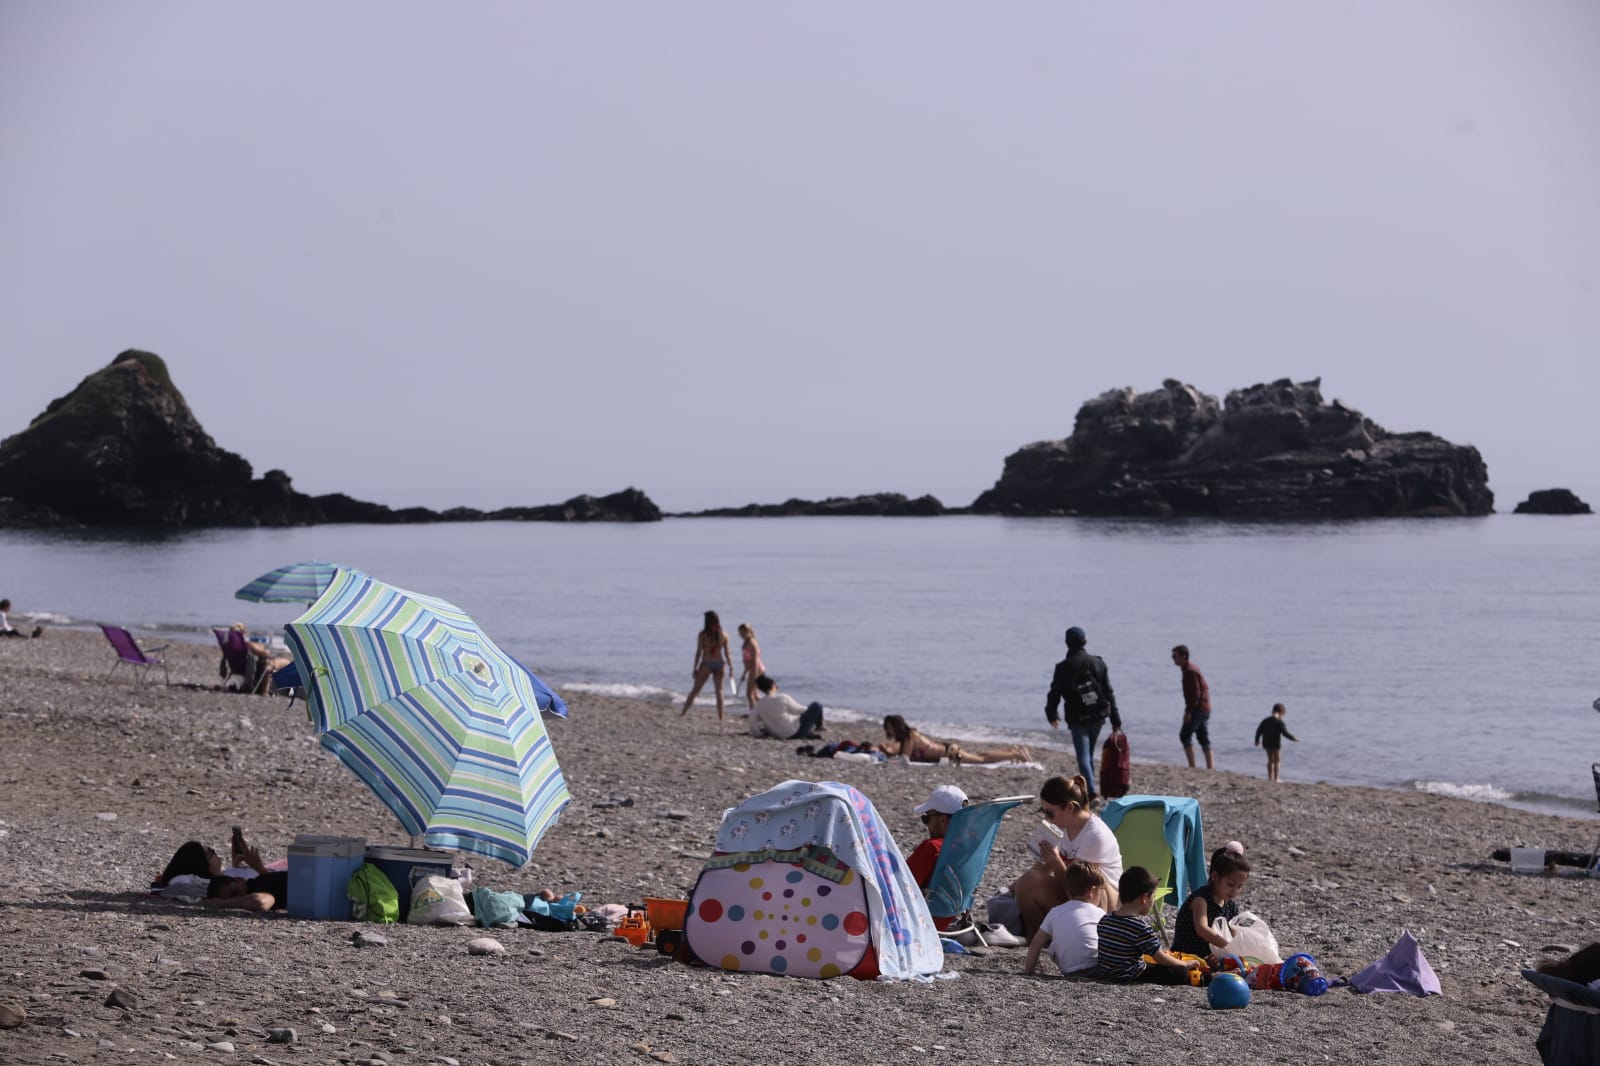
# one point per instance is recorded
(485, 945)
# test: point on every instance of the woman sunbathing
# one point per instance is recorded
(265, 891)
(919, 747)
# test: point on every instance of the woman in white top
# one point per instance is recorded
(1085, 838)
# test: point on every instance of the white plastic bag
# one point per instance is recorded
(1251, 940)
(438, 900)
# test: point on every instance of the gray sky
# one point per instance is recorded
(501, 254)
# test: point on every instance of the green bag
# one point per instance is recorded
(372, 896)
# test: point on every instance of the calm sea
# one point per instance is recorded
(1459, 656)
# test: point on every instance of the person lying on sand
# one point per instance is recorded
(265, 891)
(917, 746)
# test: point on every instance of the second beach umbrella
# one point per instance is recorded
(295, 583)
(432, 715)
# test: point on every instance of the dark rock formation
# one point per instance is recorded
(1271, 451)
(885, 504)
(124, 449)
(1553, 501)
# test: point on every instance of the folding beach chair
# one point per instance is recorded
(1571, 1032)
(962, 860)
(238, 662)
(128, 651)
(286, 679)
(1162, 834)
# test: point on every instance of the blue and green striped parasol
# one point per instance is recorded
(438, 721)
(295, 583)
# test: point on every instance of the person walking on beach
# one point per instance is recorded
(711, 660)
(1196, 707)
(750, 652)
(5, 623)
(1081, 687)
(1269, 736)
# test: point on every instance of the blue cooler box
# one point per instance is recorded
(404, 865)
(319, 875)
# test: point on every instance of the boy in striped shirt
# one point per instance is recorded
(1126, 939)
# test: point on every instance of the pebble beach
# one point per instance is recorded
(101, 779)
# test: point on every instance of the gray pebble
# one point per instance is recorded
(369, 940)
(95, 975)
(220, 1045)
(282, 1036)
(485, 945)
(122, 999)
(11, 1016)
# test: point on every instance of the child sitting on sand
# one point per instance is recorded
(1129, 948)
(1071, 931)
(1218, 898)
(1269, 736)
(5, 623)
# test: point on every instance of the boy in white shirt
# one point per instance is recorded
(1071, 930)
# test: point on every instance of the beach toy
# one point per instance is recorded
(1299, 973)
(635, 928)
(665, 913)
(1228, 991)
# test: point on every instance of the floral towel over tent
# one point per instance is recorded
(803, 816)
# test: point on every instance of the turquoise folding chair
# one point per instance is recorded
(1163, 834)
(962, 860)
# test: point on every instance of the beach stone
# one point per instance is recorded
(122, 999)
(107, 816)
(95, 975)
(369, 940)
(485, 945)
(328, 1028)
(554, 1034)
(603, 1001)
(220, 1045)
(446, 1060)
(11, 1016)
(679, 815)
(282, 1036)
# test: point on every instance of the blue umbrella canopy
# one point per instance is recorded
(295, 583)
(442, 724)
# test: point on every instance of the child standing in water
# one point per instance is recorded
(1217, 898)
(1270, 734)
(750, 651)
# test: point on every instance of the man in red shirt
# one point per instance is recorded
(1196, 707)
(936, 810)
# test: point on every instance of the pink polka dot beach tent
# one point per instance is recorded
(806, 881)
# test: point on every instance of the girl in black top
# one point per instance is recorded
(1217, 898)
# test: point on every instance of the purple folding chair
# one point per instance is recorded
(128, 651)
(238, 662)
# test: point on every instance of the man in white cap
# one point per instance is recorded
(936, 810)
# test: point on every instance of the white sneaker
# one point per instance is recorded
(1000, 937)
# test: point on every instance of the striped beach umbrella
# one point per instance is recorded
(295, 583)
(438, 721)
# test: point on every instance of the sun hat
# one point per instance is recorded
(946, 799)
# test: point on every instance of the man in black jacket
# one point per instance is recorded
(1082, 688)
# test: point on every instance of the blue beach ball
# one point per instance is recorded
(1227, 991)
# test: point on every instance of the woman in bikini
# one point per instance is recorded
(711, 658)
(919, 747)
(753, 666)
